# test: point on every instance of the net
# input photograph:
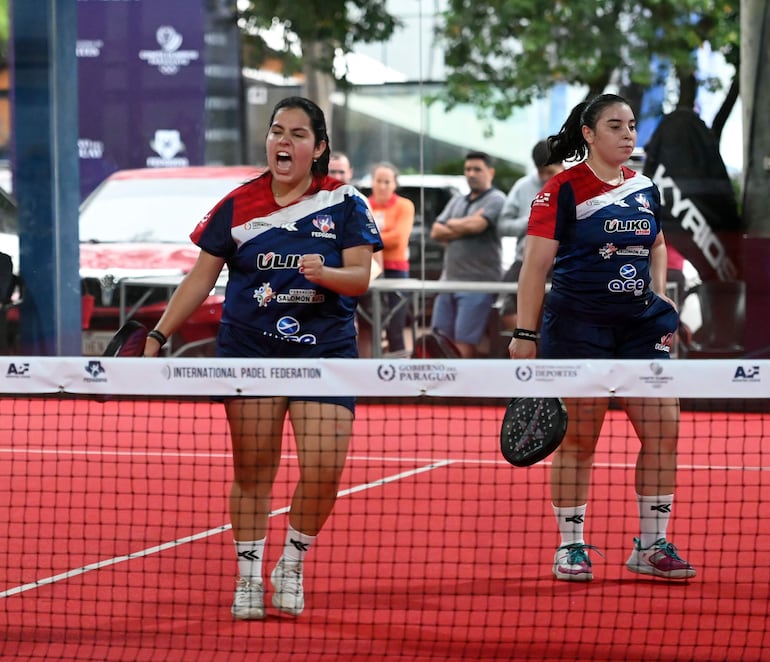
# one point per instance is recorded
(117, 542)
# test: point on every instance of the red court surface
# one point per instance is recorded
(116, 545)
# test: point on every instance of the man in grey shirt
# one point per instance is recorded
(515, 217)
(467, 227)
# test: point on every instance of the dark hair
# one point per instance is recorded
(317, 124)
(488, 160)
(540, 154)
(569, 144)
(387, 165)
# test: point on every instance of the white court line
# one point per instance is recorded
(204, 534)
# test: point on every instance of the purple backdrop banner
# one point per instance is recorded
(141, 85)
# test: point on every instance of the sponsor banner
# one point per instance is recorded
(700, 210)
(171, 377)
(142, 87)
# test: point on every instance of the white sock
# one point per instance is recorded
(296, 546)
(654, 513)
(570, 521)
(250, 554)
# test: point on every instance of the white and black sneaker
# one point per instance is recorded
(249, 600)
(289, 596)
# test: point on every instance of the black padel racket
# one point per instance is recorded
(532, 429)
(128, 341)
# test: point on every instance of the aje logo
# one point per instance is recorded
(750, 374)
(18, 370)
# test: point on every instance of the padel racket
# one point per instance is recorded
(128, 341)
(532, 429)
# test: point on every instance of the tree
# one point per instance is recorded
(506, 53)
(5, 28)
(313, 32)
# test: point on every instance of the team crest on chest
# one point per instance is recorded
(643, 202)
(325, 225)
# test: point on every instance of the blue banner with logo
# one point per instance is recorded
(141, 85)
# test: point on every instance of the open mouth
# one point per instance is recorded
(283, 161)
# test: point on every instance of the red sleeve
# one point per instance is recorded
(542, 215)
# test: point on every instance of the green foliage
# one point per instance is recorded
(334, 24)
(5, 32)
(505, 53)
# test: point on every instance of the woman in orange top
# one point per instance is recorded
(394, 216)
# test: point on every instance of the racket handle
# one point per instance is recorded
(158, 336)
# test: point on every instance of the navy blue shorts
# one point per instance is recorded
(233, 342)
(649, 335)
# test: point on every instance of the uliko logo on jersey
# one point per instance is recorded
(628, 282)
(638, 226)
(169, 59)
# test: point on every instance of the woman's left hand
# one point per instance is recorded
(667, 299)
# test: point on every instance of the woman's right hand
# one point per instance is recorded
(520, 348)
(151, 347)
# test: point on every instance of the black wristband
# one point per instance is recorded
(159, 336)
(526, 334)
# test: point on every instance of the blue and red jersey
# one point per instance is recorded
(262, 244)
(605, 234)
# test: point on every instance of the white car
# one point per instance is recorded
(135, 227)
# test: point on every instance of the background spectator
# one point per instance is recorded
(394, 216)
(339, 167)
(468, 228)
(515, 216)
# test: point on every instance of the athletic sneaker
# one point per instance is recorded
(289, 595)
(249, 600)
(660, 560)
(571, 563)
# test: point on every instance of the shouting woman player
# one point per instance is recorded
(298, 245)
(598, 225)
